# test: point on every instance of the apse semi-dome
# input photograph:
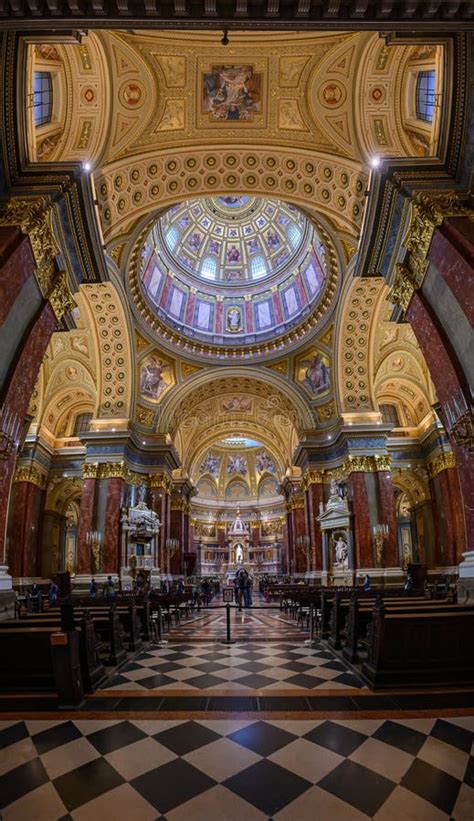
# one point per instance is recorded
(232, 270)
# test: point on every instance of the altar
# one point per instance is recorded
(240, 552)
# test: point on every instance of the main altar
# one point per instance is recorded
(239, 551)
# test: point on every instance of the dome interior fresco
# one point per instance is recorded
(233, 268)
(236, 468)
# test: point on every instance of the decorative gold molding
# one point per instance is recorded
(441, 462)
(34, 217)
(161, 480)
(366, 464)
(312, 477)
(428, 212)
(28, 473)
(113, 470)
(296, 502)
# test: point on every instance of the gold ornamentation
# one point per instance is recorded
(144, 416)
(31, 474)
(312, 477)
(112, 470)
(161, 480)
(441, 462)
(34, 217)
(403, 288)
(90, 470)
(296, 502)
(366, 464)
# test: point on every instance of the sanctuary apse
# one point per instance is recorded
(233, 276)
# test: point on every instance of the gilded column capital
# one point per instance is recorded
(429, 209)
(441, 462)
(90, 470)
(366, 464)
(296, 502)
(160, 480)
(404, 286)
(34, 217)
(312, 477)
(31, 474)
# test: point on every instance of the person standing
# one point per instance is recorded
(248, 590)
(53, 593)
(109, 588)
(367, 583)
(93, 589)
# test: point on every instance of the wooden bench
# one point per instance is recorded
(42, 658)
(418, 649)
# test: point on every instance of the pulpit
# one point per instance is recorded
(139, 553)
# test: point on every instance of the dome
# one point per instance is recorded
(232, 269)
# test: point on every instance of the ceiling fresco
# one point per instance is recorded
(233, 270)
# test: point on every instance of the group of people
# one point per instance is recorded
(243, 584)
(108, 590)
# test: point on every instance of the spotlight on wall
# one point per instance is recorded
(374, 162)
(87, 166)
(225, 39)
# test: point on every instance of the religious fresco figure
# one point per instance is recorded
(233, 254)
(237, 464)
(264, 462)
(234, 319)
(272, 239)
(210, 464)
(231, 92)
(152, 383)
(317, 375)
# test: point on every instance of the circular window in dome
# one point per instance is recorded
(232, 269)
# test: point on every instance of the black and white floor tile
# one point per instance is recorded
(268, 666)
(414, 769)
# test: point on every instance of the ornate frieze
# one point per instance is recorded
(366, 464)
(112, 470)
(312, 477)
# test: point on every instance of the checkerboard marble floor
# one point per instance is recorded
(266, 622)
(242, 667)
(417, 769)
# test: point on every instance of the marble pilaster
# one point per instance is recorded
(115, 489)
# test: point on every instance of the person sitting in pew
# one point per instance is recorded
(109, 588)
(53, 593)
(93, 589)
(367, 583)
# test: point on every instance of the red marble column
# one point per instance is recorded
(452, 253)
(17, 265)
(18, 394)
(256, 535)
(298, 528)
(285, 552)
(159, 505)
(362, 529)
(388, 516)
(86, 523)
(24, 529)
(113, 508)
(177, 532)
(448, 517)
(313, 496)
(444, 373)
(221, 536)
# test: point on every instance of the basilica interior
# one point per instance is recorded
(236, 308)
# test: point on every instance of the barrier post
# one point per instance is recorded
(161, 641)
(310, 642)
(228, 639)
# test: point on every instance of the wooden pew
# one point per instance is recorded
(93, 671)
(419, 649)
(42, 658)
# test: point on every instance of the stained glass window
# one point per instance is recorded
(43, 98)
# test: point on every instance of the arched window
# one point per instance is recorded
(390, 415)
(259, 269)
(294, 235)
(43, 98)
(208, 268)
(172, 237)
(82, 423)
(425, 95)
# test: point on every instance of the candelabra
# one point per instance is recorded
(10, 428)
(380, 532)
(171, 547)
(94, 540)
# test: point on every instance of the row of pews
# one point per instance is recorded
(71, 648)
(391, 638)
